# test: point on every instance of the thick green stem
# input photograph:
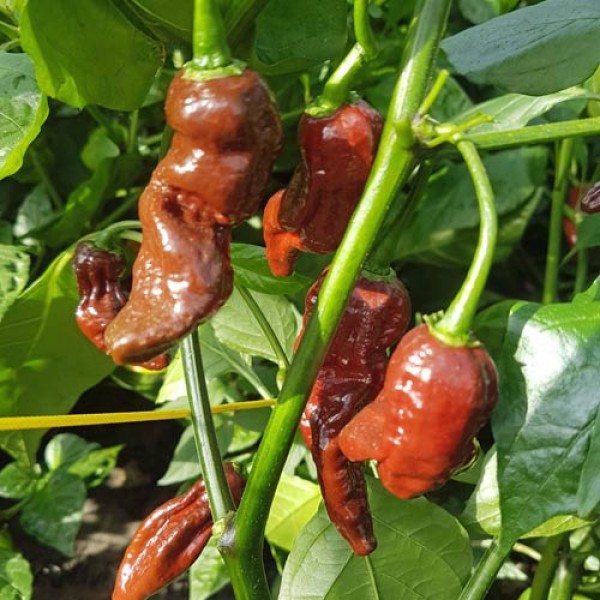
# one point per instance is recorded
(263, 323)
(393, 164)
(455, 326)
(362, 28)
(337, 87)
(565, 580)
(535, 134)
(559, 192)
(485, 572)
(544, 573)
(209, 43)
(219, 496)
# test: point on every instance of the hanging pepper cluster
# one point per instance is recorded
(376, 316)
(227, 135)
(169, 540)
(312, 213)
(421, 426)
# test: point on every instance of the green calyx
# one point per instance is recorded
(434, 323)
(196, 70)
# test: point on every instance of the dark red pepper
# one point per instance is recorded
(312, 213)
(352, 374)
(590, 203)
(227, 136)
(169, 540)
(98, 274)
(420, 429)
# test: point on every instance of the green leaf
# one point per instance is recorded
(89, 53)
(23, 110)
(295, 503)
(481, 514)
(45, 361)
(208, 574)
(14, 271)
(414, 538)
(293, 36)
(490, 326)
(513, 111)
(16, 580)
(443, 229)
(95, 467)
(65, 449)
(547, 409)
(177, 17)
(478, 11)
(534, 50)
(588, 232)
(35, 212)
(85, 200)
(16, 481)
(252, 271)
(53, 512)
(235, 326)
(98, 147)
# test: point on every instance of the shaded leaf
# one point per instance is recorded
(89, 53)
(35, 212)
(534, 50)
(53, 512)
(479, 11)
(17, 481)
(292, 36)
(208, 574)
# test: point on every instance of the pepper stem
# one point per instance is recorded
(209, 42)
(209, 454)
(455, 326)
(362, 28)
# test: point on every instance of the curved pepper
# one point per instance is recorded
(98, 274)
(352, 374)
(227, 137)
(312, 213)
(169, 540)
(420, 428)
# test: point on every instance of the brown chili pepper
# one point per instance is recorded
(312, 213)
(352, 374)
(169, 540)
(227, 136)
(98, 274)
(590, 203)
(420, 428)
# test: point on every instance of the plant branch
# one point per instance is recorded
(485, 572)
(544, 573)
(209, 42)
(362, 28)
(455, 326)
(394, 162)
(535, 134)
(559, 192)
(219, 496)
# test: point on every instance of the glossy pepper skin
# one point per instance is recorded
(169, 540)
(420, 428)
(312, 213)
(352, 374)
(590, 203)
(227, 135)
(98, 274)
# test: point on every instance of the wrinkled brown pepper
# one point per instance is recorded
(98, 274)
(169, 540)
(590, 203)
(227, 135)
(312, 213)
(352, 374)
(421, 426)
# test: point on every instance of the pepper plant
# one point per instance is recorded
(488, 146)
